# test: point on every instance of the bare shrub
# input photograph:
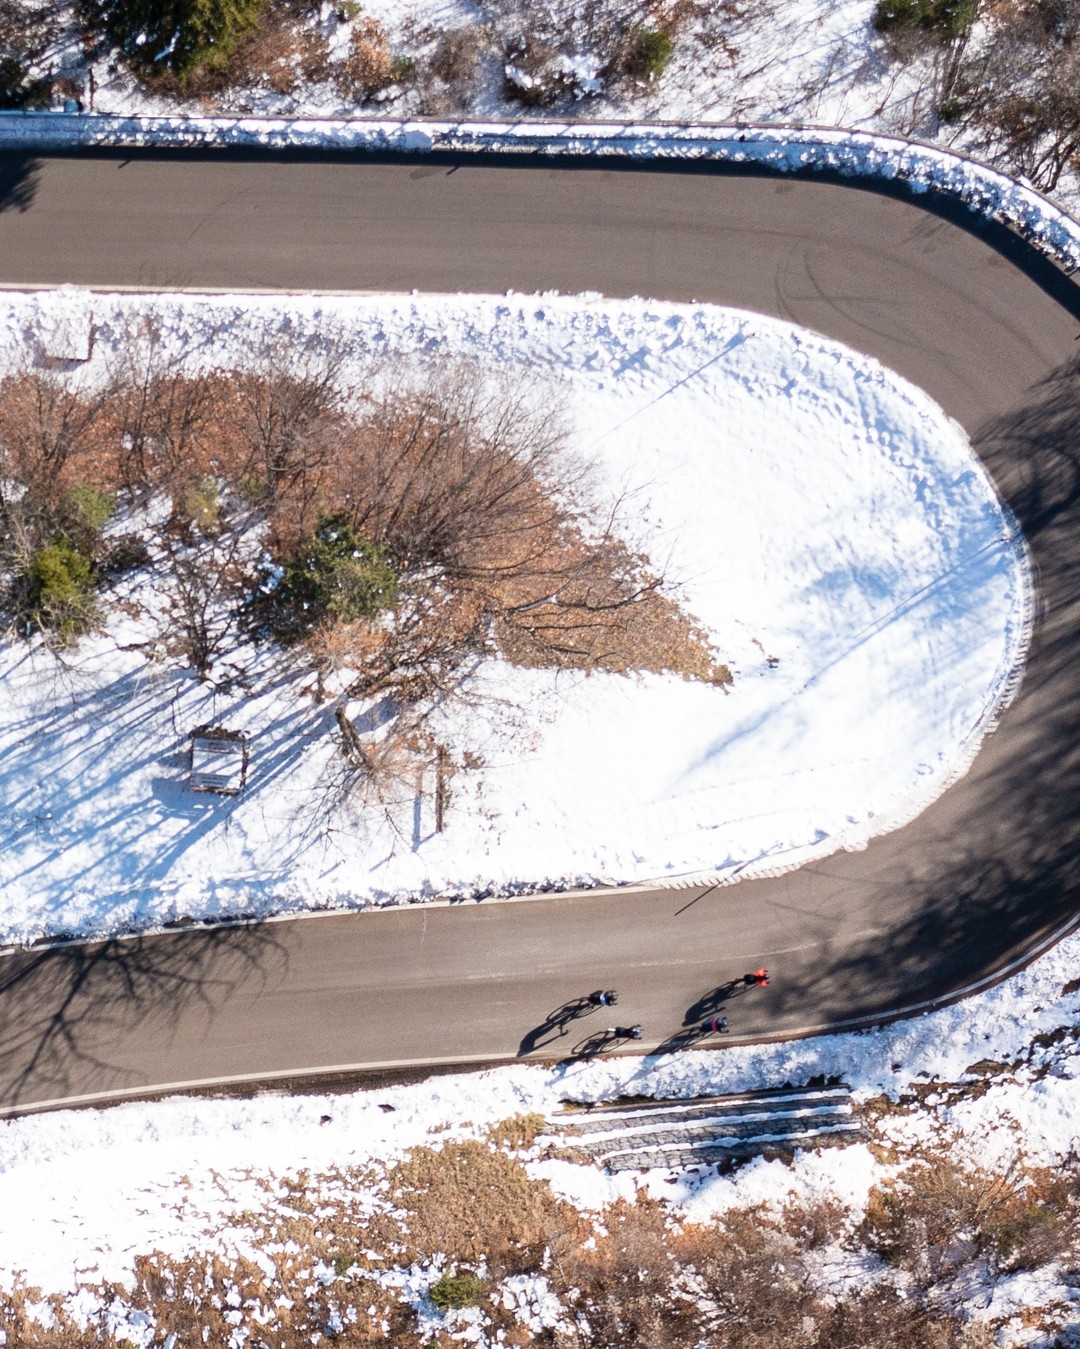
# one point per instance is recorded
(1018, 93)
(287, 412)
(261, 428)
(471, 1201)
(752, 1281)
(51, 432)
(471, 491)
(627, 1286)
(370, 67)
(161, 420)
(202, 580)
(444, 471)
(633, 1279)
(434, 640)
(281, 51)
(935, 1218)
(313, 54)
(1040, 1223)
(268, 56)
(453, 72)
(886, 1319)
(815, 1224)
(562, 52)
(336, 644)
(535, 74)
(384, 772)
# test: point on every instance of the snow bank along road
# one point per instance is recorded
(986, 327)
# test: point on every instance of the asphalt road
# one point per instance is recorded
(980, 878)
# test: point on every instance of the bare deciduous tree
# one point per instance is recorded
(470, 489)
(51, 421)
(161, 415)
(288, 407)
(1018, 92)
(448, 503)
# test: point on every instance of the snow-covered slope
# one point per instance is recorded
(827, 524)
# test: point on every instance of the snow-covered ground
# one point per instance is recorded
(883, 577)
(170, 1176)
(815, 61)
(826, 523)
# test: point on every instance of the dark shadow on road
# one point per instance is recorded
(74, 1017)
(611, 1037)
(589, 1048)
(555, 1023)
(686, 1038)
(710, 1003)
(19, 177)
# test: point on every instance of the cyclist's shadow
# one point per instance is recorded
(554, 1025)
(683, 1039)
(595, 1044)
(710, 1003)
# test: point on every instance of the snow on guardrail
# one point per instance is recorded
(920, 166)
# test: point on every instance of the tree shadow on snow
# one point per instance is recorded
(98, 799)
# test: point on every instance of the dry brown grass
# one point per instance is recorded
(633, 1279)
(469, 1200)
(370, 67)
(518, 1132)
(198, 1299)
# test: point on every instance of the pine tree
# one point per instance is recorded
(173, 35)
